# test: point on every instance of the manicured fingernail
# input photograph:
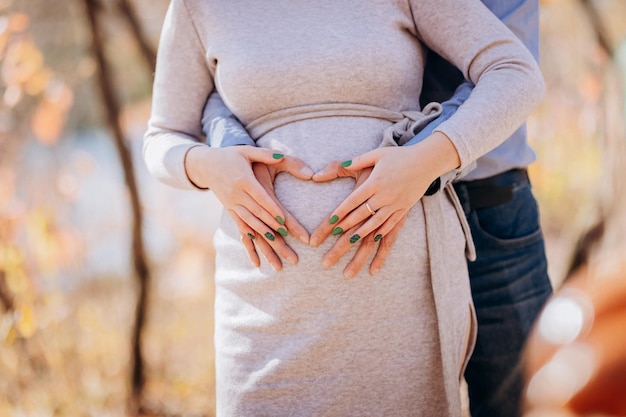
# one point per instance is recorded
(250, 235)
(375, 271)
(337, 231)
(269, 236)
(333, 219)
(354, 238)
(378, 237)
(278, 156)
(280, 220)
(282, 231)
(347, 163)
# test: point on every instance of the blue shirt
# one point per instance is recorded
(441, 80)
(443, 83)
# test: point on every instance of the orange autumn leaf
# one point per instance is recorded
(22, 60)
(49, 118)
(48, 121)
(38, 82)
(18, 22)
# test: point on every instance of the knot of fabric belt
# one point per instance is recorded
(412, 122)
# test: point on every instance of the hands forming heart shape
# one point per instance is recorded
(353, 222)
(389, 182)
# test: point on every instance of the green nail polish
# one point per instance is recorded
(337, 231)
(269, 236)
(280, 220)
(278, 156)
(250, 235)
(347, 163)
(354, 238)
(333, 219)
(282, 231)
(378, 237)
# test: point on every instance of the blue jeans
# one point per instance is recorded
(510, 285)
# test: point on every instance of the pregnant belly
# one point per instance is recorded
(318, 142)
(311, 202)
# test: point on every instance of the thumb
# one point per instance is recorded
(362, 161)
(296, 167)
(266, 156)
(331, 171)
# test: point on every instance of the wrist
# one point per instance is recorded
(195, 165)
(440, 154)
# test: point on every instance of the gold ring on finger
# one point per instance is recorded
(367, 206)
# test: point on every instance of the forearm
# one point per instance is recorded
(437, 154)
(521, 17)
(181, 86)
(221, 127)
(449, 107)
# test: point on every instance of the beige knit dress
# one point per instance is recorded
(328, 80)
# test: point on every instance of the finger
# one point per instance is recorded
(256, 224)
(356, 198)
(248, 244)
(363, 253)
(379, 224)
(269, 254)
(385, 243)
(266, 156)
(332, 171)
(336, 222)
(391, 222)
(294, 227)
(264, 206)
(295, 167)
(370, 220)
(274, 240)
(341, 246)
(248, 235)
(365, 160)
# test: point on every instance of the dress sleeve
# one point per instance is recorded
(182, 84)
(508, 81)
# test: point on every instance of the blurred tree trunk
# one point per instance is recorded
(608, 208)
(602, 36)
(142, 273)
(6, 299)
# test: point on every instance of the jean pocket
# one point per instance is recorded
(511, 224)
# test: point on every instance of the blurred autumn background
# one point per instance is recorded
(105, 274)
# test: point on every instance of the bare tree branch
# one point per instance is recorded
(112, 109)
(129, 14)
(596, 22)
(5, 297)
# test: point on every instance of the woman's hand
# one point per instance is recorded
(368, 244)
(399, 178)
(231, 173)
